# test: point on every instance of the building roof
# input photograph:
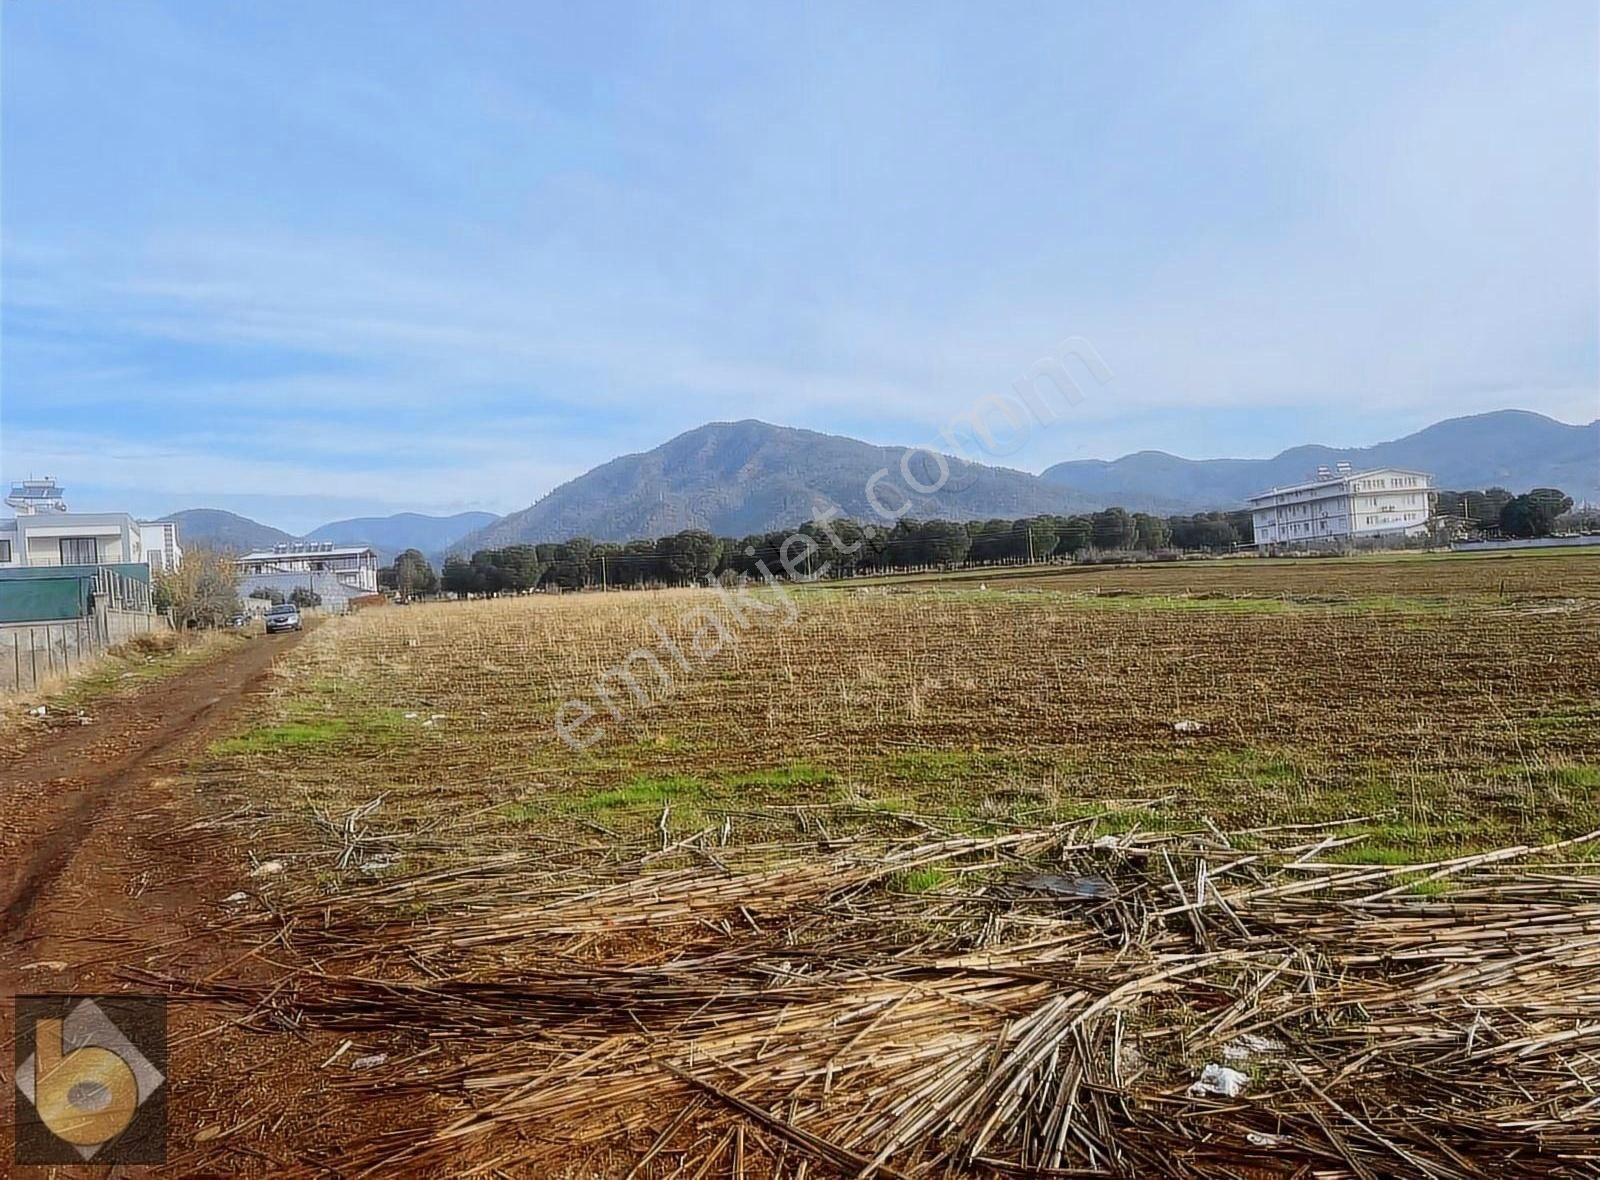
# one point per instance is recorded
(309, 550)
(1332, 480)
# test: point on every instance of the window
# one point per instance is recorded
(80, 551)
(5, 552)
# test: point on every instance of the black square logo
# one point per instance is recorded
(91, 1080)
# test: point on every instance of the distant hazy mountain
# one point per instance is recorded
(212, 528)
(390, 535)
(1515, 449)
(735, 478)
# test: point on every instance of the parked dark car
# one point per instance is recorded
(283, 618)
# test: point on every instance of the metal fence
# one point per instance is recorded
(33, 654)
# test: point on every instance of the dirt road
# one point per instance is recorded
(79, 777)
(101, 868)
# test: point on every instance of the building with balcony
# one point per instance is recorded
(44, 533)
(335, 573)
(1343, 505)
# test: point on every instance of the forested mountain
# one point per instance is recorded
(734, 478)
(1514, 449)
(213, 528)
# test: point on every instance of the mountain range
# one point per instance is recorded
(389, 535)
(404, 530)
(1515, 449)
(736, 478)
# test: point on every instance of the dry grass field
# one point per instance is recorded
(859, 833)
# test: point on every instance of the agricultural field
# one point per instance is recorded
(936, 878)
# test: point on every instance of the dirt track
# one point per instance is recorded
(77, 778)
(102, 868)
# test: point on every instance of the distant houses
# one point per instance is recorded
(1343, 505)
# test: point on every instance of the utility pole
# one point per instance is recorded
(602, 573)
(1030, 544)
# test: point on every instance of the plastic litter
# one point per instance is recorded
(1187, 727)
(1221, 1081)
(1072, 888)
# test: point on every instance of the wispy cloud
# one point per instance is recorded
(431, 262)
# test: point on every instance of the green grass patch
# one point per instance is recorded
(304, 734)
(1575, 719)
(1580, 777)
(923, 880)
(780, 778)
(1219, 604)
(1397, 604)
(1371, 853)
(939, 767)
(1257, 766)
(1402, 843)
(645, 791)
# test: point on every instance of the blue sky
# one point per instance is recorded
(307, 260)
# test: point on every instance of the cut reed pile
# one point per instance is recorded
(1032, 1004)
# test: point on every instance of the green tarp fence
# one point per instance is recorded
(34, 594)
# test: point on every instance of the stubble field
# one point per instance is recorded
(1081, 831)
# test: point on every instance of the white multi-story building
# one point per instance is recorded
(1343, 505)
(44, 533)
(161, 548)
(335, 573)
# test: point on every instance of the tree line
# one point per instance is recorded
(1532, 514)
(837, 548)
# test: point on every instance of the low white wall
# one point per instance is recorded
(1525, 543)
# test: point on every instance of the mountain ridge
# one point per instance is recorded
(389, 535)
(1516, 449)
(748, 476)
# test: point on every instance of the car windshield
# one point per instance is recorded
(284, 610)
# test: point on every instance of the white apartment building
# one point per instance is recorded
(71, 538)
(161, 546)
(44, 533)
(1343, 505)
